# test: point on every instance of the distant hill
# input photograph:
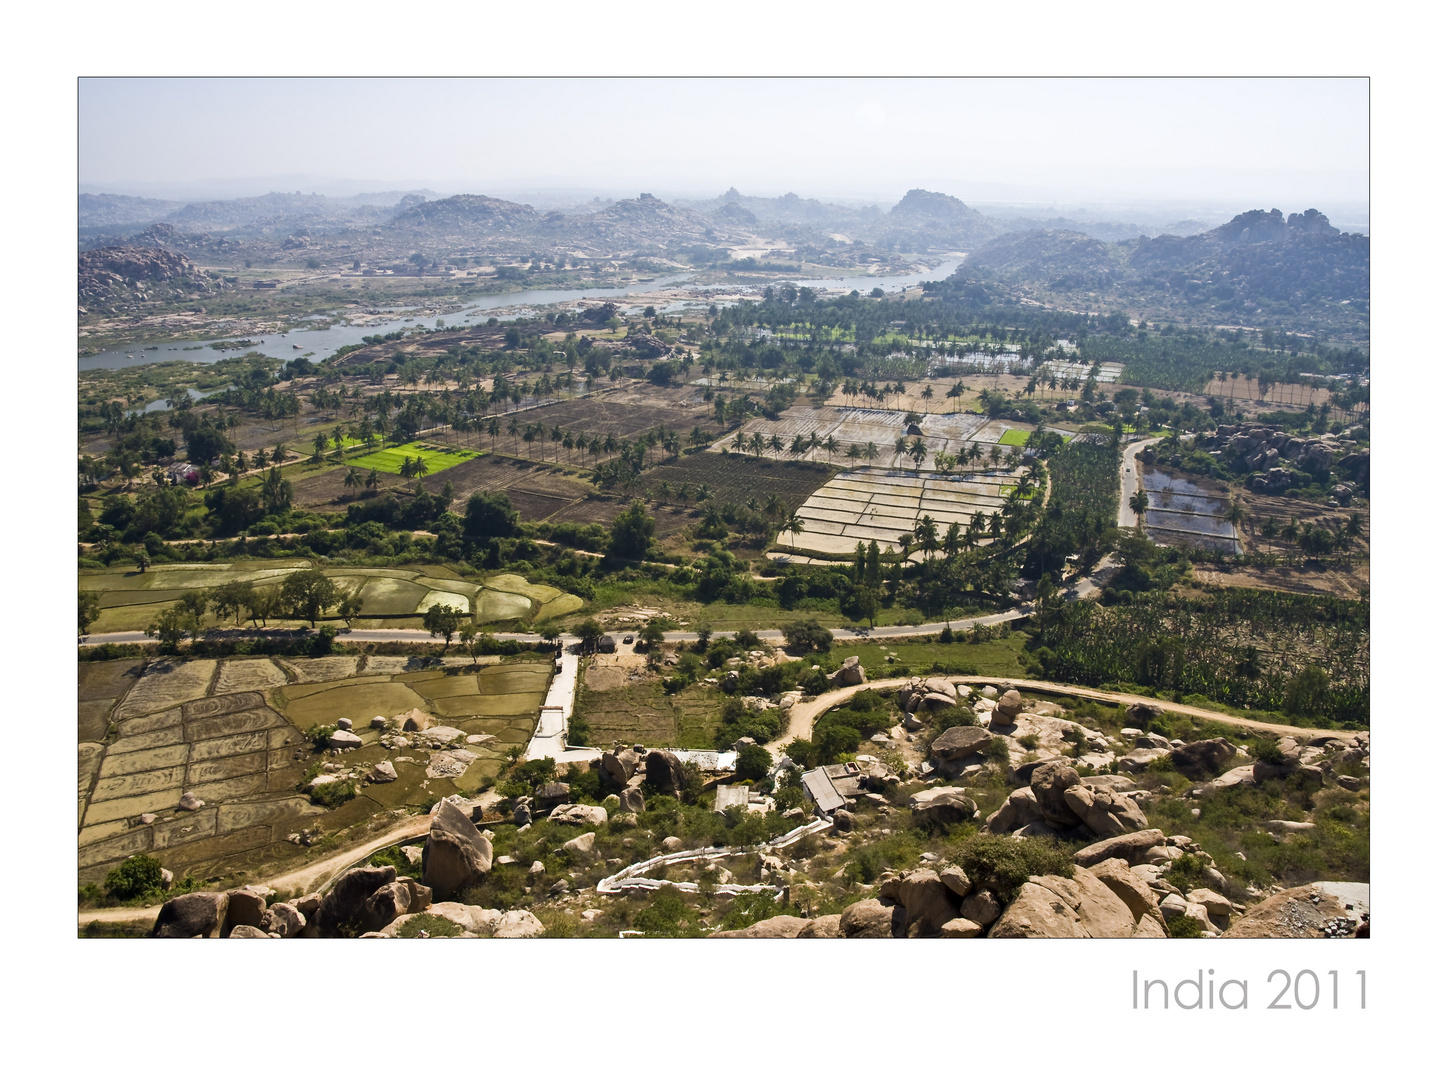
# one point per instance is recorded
(122, 211)
(925, 220)
(1062, 259)
(1296, 271)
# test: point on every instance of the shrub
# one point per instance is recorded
(334, 794)
(318, 735)
(431, 926)
(134, 878)
(998, 751)
(1179, 926)
(1004, 863)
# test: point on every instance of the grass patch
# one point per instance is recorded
(1014, 437)
(390, 460)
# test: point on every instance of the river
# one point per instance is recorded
(324, 341)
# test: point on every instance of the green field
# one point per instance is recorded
(390, 460)
(1014, 437)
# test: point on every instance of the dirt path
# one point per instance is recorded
(308, 879)
(803, 716)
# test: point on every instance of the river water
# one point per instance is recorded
(324, 341)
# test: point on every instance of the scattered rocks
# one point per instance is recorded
(342, 908)
(189, 801)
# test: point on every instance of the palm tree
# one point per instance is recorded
(1139, 503)
(831, 445)
(776, 445)
(795, 526)
(373, 479)
(352, 480)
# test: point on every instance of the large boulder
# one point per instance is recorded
(945, 806)
(385, 906)
(826, 926)
(1049, 784)
(456, 854)
(1104, 812)
(631, 800)
(960, 742)
(581, 847)
(961, 928)
(1131, 890)
(518, 924)
(781, 926)
(928, 904)
(1007, 707)
(1203, 759)
(872, 919)
(1141, 713)
(664, 772)
(344, 740)
(196, 914)
(619, 766)
(578, 814)
(1131, 847)
(342, 910)
(1058, 907)
(1018, 811)
(981, 907)
(244, 907)
(944, 687)
(850, 673)
(284, 920)
(384, 772)
(247, 932)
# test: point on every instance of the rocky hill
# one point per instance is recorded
(121, 275)
(1065, 260)
(927, 220)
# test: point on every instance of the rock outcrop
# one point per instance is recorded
(456, 854)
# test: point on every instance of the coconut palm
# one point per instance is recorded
(1139, 503)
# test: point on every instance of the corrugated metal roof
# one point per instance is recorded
(821, 789)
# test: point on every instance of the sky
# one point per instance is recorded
(1291, 142)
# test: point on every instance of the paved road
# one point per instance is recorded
(1130, 481)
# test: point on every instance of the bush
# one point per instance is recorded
(135, 878)
(1004, 863)
(998, 751)
(432, 926)
(318, 735)
(334, 794)
(1179, 926)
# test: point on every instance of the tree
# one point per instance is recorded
(632, 532)
(442, 621)
(589, 632)
(170, 626)
(138, 876)
(1139, 503)
(143, 561)
(90, 609)
(1307, 693)
(489, 515)
(350, 607)
(754, 762)
(807, 635)
(307, 594)
(231, 600)
(652, 635)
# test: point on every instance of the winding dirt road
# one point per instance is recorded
(803, 716)
(309, 878)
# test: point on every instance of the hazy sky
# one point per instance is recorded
(1287, 142)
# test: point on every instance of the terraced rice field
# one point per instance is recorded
(390, 460)
(941, 432)
(881, 504)
(130, 600)
(230, 731)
